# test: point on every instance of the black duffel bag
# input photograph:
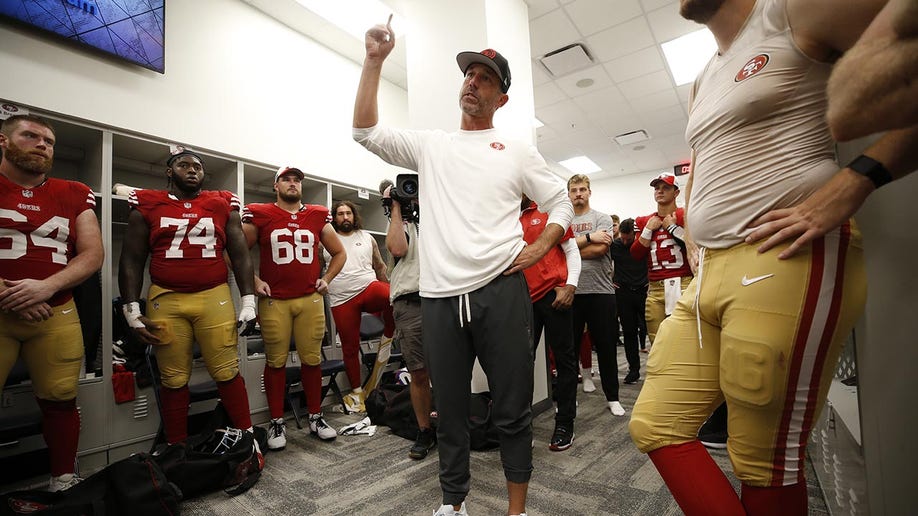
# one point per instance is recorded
(135, 485)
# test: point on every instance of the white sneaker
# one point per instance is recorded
(277, 434)
(588, 385)
(318, 427)
(63, 482)
(447, 510)
(616, 408)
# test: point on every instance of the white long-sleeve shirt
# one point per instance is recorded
(470, 187)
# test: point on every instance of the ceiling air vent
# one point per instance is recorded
(566, 60)
(631, 138)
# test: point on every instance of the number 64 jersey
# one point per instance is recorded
(37, 228)
(187, 237)
(289, 246)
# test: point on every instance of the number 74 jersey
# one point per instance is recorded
(289, 246)
(38, 228)
(187, 237)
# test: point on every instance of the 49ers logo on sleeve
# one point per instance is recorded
(752, 67)
(497, 146)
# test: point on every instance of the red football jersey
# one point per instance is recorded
(187, 237)
(38, 228)
(665, 258)
(551, 270)
(289, 246)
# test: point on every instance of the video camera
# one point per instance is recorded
(405, 190)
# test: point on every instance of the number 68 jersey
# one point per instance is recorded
(289, 246)
(187, 237)
(37, 228)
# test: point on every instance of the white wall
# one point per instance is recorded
(627, 196)
(236, 82)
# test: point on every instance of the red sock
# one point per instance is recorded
(175, 413)
(695, 481)
(61, 428)
(236, 401)
(788, 500)
(311, 376)
(275, 385)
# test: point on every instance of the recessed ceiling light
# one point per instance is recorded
(356, 16)
(638, 147)
(687, 55)
(580, 165)
(585, 83)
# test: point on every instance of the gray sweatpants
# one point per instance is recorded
(493, 323)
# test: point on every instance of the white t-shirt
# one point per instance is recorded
(470, 188)
(358, 270)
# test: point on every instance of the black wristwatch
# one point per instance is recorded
(588, 238)
(871, 169)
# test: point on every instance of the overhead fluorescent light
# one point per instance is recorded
(687, 55)
(580, 165)
(355, 16)
(537, 123)
(631, 138)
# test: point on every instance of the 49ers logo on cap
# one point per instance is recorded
(752, 67)
(497, 146)
(490, 53)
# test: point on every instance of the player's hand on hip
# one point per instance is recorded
(247, 317)
(25, 292)
(826, 209)
(321, 286)
(528, 256)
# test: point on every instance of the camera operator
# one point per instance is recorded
(404, 276)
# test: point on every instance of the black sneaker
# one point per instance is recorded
(714, 440)
(632, 377)
(562, 438)
(423, 444)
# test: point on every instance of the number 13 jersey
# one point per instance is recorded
(289, 246)
(187, 237)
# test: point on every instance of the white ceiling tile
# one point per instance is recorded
(591, 16)
(621, 40)
(562, 115)
(620, 124)
(658, 129)
(667, 24)
(551, 32)
(546, 133)
(635, 64)
(547, 94)
(540, 7)
(568, 83)
(539, 75)
(646, 84)
(684, 92)
(651, 5)
(596, 100)
(664, 115)
(656, 100)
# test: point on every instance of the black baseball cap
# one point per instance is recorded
(488, 57)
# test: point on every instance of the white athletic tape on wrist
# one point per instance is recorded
(647, 234)
(132, 314)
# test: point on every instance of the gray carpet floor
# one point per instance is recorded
(602, 473)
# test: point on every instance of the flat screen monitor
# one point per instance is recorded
(133, 30)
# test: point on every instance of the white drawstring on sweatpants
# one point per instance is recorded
(698, 293)
(468, 310)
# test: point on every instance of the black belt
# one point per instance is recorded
(414, 297)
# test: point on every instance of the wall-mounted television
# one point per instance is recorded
(133, 30)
